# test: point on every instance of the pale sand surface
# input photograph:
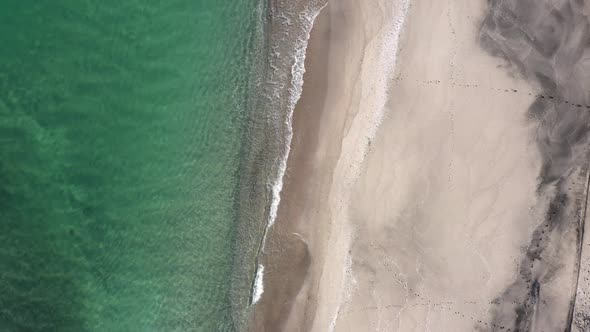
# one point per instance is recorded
(444, 205)
(423, 226)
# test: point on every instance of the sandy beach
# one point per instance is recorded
(438, 177)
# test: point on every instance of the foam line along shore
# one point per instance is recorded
(349, 66)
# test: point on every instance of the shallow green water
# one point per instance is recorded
(120, 129)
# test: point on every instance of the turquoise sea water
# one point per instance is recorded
(121, 126)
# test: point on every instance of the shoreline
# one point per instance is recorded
(284, 29)
(281, 245)
(337, 141)
(296, 87)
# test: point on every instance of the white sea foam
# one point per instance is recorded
(297, 71)
(295, 90)
(258, 287)
(386, 64)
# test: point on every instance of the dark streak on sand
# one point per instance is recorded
(547, 43)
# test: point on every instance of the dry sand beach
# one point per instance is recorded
(438, 177)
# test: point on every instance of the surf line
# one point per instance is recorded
(296, 88)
